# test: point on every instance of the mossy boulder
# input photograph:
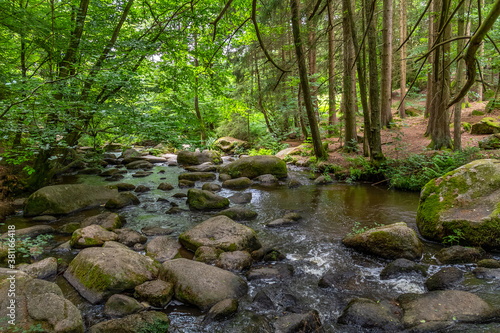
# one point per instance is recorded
(93, 235)
(254, 166)
(477, 113)
(121, 305)
(198, 176)
(158, 293)
(298, 322)
(458, 255)
(445, 278)
(391, 242)
(490, 142)
(464, 201)
(148, 321)
(222, 310)
(368, 314)
(163, 248)
(107, 220)
(220, 232)
(228, 144)
(487, 125)
(64, 199)
(237, 183)
(123, 199)
(98, 273)
(239, 213)
(401, 267)
(195, 158)
(205, 200)
(37, 302)
(200, 284)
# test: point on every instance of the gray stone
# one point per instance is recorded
(235, 261)
(298, 322)
(44, 269)
(148, 321)
(401, 267)
(487, 273)
(237, 183)
(156, 231)
(197, 176)
(44, 218)
(222, 310)
(204, 167)
(365, 313)
(93, 235)
(130, 237)
(158, 293)
(239, 213)
(207, 254)
(205, 200)
(121, 305)
(458, 255)
(241, 198)
(142, 189)
(184, 183)
(141, 164)
(445, 278)
(107, 220)
(163, 248)
(211, 187)
(165, 187)
(276, 272)
(281, 223)
(122, 200)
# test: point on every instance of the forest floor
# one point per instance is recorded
(407, 138)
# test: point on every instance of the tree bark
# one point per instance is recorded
(386, 79)
(197, 110)
(402, 36)
(304, 82)
(457, 118)
(348, 103)
(430, 41)
(480, 89)
(311, 36)
(332, 117)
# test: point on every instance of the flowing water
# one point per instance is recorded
(312, 247)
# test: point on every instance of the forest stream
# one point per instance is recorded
(312, 247)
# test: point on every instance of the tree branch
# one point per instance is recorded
(226, 7)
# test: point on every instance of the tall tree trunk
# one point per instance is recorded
(480, 89)
(467, 33)
(304, 82)
(430, 41)
(303, 126)
(402, 37)
(348, 103)
(260, 99)
(197, 110)
(386, 79)
(375, 143)
(311, 36)
(332, 117)
(460, 80)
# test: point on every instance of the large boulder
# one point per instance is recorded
(37, 302)
(107, 220)
(149, 321)
(195, 158)
(391, 242)
(200, 284)
(254, 166)
(369, 314)
(64, 199)
(220, 232)
(228, 144)
(197, 176)
(463, 204)
(121, 305)
(438, 309)
(487, 125)
(93, 235)
(205, 200)
(98, 273)
(163, 248)
(123, 199)
(157, 293)
(237, 183)
(239, 213)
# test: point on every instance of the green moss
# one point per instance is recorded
(91, 276)
(232, 247)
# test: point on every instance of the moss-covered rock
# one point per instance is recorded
(200, 284)
(401, 267)
(487, 125)
(237, 183)
(163, 248)
(98, 273)
(93, 235)
(64, 199)
(194, 158)
(239, 213)
(123, 199)
(391, 242)
(197, 176)
(235, 261)
(220, 232)
(121, 305)
(107, 220)
(464, 201)
(158, 293)
(222, 310)
(228, 144)
(254, 166)
(366, 313)
(143, 322)
(477, 113)
(458, 255)
(205, 200)
(490, 142)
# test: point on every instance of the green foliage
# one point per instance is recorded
(155, 327)
(32, 247)
(455, 238)
(358, 229)
(261, 151)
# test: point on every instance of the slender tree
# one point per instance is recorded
(386, 75)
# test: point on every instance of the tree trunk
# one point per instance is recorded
(480, 89)
(460, 80)
(375, 143)
(203, 134)
(430, 41)
(304, 82)
(259, 99)
(402, 37)
(332, 117)
(311, 36)
(348, 103)
(386, 80)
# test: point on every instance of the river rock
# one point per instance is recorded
(298, 322)
(44, 219)
(113, 244)
(293, 183)
(340, 280)
(163, 248)
(200, 284)
(401, 267)
(124, 187)
(98, 273)
(278, 271)
(68, 228)
(32, 231)
(156, 231)
(112, 172)
(281, 223)
(142, 189)
(140, 164)
(228, 144)
(204, 167)
(442, 307)
(148, 321)
(254, 166)
(239, 213)
(211, 187)
(267, 180)
(130, 152)
(222, 310)
(241, 198)
(235, 261)
(458, 255)
(90, 171)
(93, 235)
(207, 254)
(195, 158)
(487, 125)
(488, 263)
(121, 305)
(220, 232)
(248, 322)
(158, 293)
(107, 220)
(465, 199)
(267, 254)
(154, 159)
(130, 237)
(490, 142)
(165, 187)
(64, 199)
(293, 216)
(197, 176)
(122, 200)
(205, 200)
(445, 278)
(237, 183)
(365, 313)
(391, 242)
(44, 269)
(487, 273)
(38, 302)
(223, 177)
(184, 183)
(142, 174)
